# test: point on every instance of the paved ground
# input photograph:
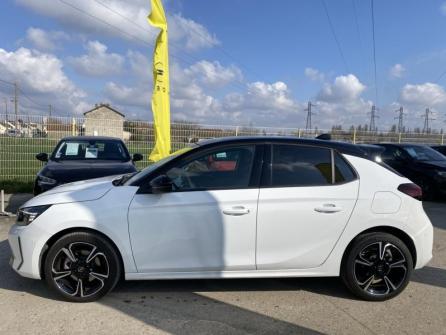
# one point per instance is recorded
(261, 306)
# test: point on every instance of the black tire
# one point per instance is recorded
(82, 267)
(365, 274)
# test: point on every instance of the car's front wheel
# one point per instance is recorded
(377, 267)
(82, 266)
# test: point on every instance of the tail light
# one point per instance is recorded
(412, 190)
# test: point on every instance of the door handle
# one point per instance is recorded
(236, 211)
(328, 208)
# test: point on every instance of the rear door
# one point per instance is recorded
(308, 196)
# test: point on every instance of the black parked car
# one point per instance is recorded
(440, 148)
(373, 151)
(84, 157)
(421, 164)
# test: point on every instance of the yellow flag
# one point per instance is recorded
(161, 86)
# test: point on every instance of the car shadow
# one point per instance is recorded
(435, 212)
(177, 308)
(174, 306)
(431, 276)
(16, 200)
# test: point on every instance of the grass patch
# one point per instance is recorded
(16, 186)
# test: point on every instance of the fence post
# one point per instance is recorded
(399, 138)
(73, 127)
(2, 200)
(354, 135)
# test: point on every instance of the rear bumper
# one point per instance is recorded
(424, 240)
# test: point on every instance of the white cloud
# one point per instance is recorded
(194, 35)
(443, 8)
(129, 18)
(213, 73)
(314, 74)
(260, 103)
(423, 95)
(97, 62)
(343, 89)
(340, 102)
(45, 40)
(263, 104)
(41, 76)
(397, 71)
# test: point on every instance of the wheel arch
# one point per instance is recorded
(404, 237)
(63, 232)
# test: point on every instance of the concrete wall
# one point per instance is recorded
(104, 122)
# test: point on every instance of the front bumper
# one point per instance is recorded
(26, 251)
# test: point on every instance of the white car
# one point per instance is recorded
(230, 208)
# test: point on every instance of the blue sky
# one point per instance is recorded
(233, 61)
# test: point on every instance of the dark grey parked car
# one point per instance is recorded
(84, 157)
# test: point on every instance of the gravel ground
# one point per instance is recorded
(260, 306)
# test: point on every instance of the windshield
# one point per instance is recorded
(90, 150)
(141, 174)
(420, 153)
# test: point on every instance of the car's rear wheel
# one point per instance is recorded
(82, 266)
(377, 267)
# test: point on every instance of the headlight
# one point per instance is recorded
(441, 174)
(45, 180)
(28, 214)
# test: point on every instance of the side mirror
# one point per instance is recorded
(137, 157)
(42, 157)
(161, 184)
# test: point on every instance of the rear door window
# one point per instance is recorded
(294, 165)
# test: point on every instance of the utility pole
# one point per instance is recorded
(400, 118)
(6, 108)
(373, 116)
(16, 104)
(50, 109)
(427, 118)
(309, 114)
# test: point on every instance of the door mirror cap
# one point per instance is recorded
(161, 184)
(137, 157)
(42, 157)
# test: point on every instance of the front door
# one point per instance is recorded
(206, 223)
(304, 209)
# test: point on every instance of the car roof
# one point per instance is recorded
(91, 138)
(403, 145)
(342, 147)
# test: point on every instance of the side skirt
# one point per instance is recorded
(316, 272)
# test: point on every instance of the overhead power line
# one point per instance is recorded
(196, 32)
(239, 84)
(374, 49)
(335, 36)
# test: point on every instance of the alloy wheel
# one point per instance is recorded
(80, 269)
(380, 268)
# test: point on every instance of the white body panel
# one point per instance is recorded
(305, 223)
(205, 243)
(188, 231)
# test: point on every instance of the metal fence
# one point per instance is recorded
(22, 137)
